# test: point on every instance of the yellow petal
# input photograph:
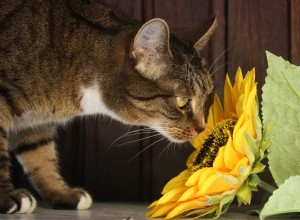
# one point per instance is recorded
(238, 81)
(172, 196)
(189, 194)
(229, 104)
(183, 207)
(219, 161)
(177, 181)
(152, 204)
(231, 156)
(161, 210)
(237, 171)
(206, 173)
(240, 105)
(235, 91)
(217, 112)
(239, 140)
(194, 178)
(250, 111)
(213, 185)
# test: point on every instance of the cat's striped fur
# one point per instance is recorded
(64, 58)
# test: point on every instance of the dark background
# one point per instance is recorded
(246, 29)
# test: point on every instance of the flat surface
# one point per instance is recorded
(105, 211)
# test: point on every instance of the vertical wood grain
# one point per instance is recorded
(218, 47)
(180, 13)
(295, 32)
(255, 26)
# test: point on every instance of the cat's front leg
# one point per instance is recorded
(36, 151)
(11, 200)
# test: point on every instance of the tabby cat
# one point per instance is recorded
(65, 58)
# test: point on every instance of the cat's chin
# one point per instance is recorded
(173, 139)
(176, 140)
(169, 136)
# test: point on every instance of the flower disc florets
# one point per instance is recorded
(218, 137)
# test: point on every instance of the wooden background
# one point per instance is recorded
(122, 172)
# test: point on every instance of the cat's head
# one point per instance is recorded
(171, 93)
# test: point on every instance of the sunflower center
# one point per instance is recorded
(218, 137)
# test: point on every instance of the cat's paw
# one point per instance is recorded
(17, 201)
(75, 198)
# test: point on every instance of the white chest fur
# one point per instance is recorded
(92, 102)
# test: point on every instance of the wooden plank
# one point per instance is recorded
(295, 32)
(218, 48)
(147, 9)
(68, 143)
(180, 13)
(255, 26)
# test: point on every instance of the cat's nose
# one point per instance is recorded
(200, 124)
(199, 130)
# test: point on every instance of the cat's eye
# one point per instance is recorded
(181, 101)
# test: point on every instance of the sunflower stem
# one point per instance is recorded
(266, 186)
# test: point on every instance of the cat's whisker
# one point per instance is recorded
(220, 67)
(165, 148)
(186, 144)
(174, 146)
(132, 133)
(141, 131)
(220, 55)
(146, 148)
(140, 139)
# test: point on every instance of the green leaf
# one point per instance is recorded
(284, 200)
(281, 112)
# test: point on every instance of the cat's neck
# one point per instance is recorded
(111, 78)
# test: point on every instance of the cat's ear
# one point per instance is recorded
(191, 34)
(211, 24)
(150, 48)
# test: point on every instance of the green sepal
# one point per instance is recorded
(244, 194)
(258, 167)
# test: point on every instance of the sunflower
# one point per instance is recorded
(226, 159)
